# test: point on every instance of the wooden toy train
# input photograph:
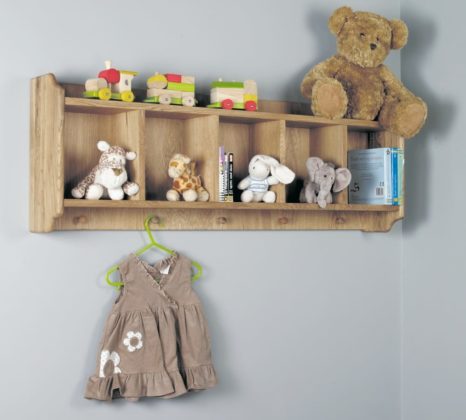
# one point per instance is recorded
(111, 84)
(171, 89)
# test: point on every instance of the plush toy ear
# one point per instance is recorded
(130, 155)
(102, 145)
(268, 160)
(313, 164)
(338, 19)
(284, 174)
(185, 159)
(399, 34)
(342, 179)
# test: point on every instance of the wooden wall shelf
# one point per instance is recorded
(65, 128)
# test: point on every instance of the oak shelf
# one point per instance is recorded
(65, 128)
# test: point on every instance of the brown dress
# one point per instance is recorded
(156, 342)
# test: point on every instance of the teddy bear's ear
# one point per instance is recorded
(338, 19)
(399, 34)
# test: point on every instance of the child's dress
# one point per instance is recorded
(156, 341)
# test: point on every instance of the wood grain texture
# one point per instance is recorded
(64, 132)
(46, 175)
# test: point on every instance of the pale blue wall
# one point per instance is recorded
(434, 244)
(309, 329)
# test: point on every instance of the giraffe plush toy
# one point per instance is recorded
(109, 176)
(186, 183)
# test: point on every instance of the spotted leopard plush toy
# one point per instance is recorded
(109, 177)
(186, 183)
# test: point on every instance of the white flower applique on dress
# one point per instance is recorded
(133, 341)
(105, 357)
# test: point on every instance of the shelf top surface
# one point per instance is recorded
(73, 104)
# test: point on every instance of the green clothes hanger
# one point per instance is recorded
(151, 244)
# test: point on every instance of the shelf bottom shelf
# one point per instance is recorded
(211, 205)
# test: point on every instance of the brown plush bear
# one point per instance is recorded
(355, 84)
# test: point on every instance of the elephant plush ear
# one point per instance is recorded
(313, 164)
(338, 19)
(342, 179)
(102, 145)
(399, 34)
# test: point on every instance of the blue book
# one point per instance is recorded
(371, 176)
(395, 199)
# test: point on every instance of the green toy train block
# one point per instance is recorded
(184, 87)
(218, 83)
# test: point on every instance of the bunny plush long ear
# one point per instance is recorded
(284, 174)
(268, 160)
(313, 164)
(342, 179)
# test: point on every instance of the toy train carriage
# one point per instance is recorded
(172, 89)
(234, 95)
(111, 84)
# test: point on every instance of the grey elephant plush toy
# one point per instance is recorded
(323, 180)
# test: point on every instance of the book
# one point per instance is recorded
(401, 171)
(371, 176)
(230, 177)
(221, 173)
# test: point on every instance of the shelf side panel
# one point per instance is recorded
(46, 153)
(201, 145)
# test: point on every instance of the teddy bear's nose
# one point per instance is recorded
(373, 46)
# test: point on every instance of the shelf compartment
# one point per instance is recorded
(82, 131)
(247, 140)
(195, 137)
(328, 143)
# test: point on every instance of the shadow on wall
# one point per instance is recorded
(325, 46)
(415, 57)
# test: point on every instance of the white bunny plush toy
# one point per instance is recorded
(263, 172)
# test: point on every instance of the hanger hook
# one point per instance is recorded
(147, 227)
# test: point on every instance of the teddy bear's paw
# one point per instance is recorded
(329, 99)
(94, 192)
(411, 118)
(203, 195)
(247, 196)
(172, 195)
(190, 195)
(269, 197)
(131, 188)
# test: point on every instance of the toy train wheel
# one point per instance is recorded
(250, 106)
(165, 99)
(105, 94)
(188, 101)
(127, 96)
(227, 104)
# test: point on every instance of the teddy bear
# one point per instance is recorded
(323, 180)
(109, 177)
(355, 83)
(263, 171)
(185, 183)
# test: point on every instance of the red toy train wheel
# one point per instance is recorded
(227, 104)
(250, 106)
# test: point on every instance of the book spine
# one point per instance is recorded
(395, 176)
(221, 174)
(225, 175)
(230, 177)
(401, 171)
(388, 175)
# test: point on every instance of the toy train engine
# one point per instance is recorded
(172, 89)
(111, 84)
(234, 95)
